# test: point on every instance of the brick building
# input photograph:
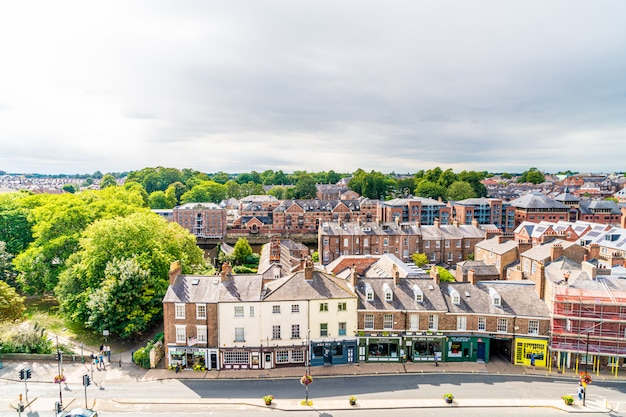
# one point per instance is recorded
(484, 211)
(206, 220)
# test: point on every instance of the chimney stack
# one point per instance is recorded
(471, 276)
(434, 274)
(437, 223)
(308, 270)
(175, 270)
(396, 274)
(474, 222)
(556, 251)
(226, 271)
(353, 276)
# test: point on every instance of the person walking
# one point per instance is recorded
(436, 359)
(107, 350)
(581, 391)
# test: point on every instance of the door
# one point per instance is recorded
(267, 364)
(350, 354)
(480, 355)
(189, 361)
(213, 361)
(328, 357)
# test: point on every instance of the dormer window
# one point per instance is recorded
(387, 291)
(369, 292)
(454, 295)
(418, 294)
(496, 300)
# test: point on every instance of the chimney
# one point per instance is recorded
(434, 274)
(524, 246)
(556, 251)
(437, 223)
(353, 276)
(455, 222)
(226, 272)
(474, 222)
(471, 276)
(594, 251)
(308, 270)
(396, 274)
(275, 248)
(175, 270)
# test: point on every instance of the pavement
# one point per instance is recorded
(120, 369)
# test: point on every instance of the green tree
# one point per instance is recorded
(305, 187)
(15, 225)
(405, 187)
(160, 200)
(447, 178)
(430, 189)
(279, 191)
(58, 222)
(11, 304)
(475, 179)
(69, 188)
(175, 191)
(445, 275)
(7, 273)
(150, 241)
(205, 192)
(532, 175)
(242, 251)
(419, 259)
(233, 189)
(460, 190)
(374, 185)
(125, 302)
(108, 181)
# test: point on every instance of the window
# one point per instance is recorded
(181, 333)
(239, 334)
(179, 311)
(200, 311)
(295, 331)
(388, 321)
(236, 357)
(276, 309)
(533, 326)
(297, 356)
(467, 243)
(368, 322)
(503, 325)
(295, 308)
(458, 243)
(414, 322)
(437, 244)
(342, 306)
(323, 329)
(388, 294)
(342, 328)
(282, 356)
(201, 334)
(238, 311)
(427, 244)
(461, 323)
(447, 243)
(418, 294)
(433, 322)
(482, 323)
(369, 292)
(323, 306)
(251, 311)
(276, 331)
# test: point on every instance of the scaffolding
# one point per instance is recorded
(589, 322)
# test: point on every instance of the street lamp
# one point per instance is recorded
(586, 368)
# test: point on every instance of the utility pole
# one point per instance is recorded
(59, 359)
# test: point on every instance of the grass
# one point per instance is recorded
(44, 310)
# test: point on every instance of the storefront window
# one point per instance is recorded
(426, 348)
(389, 349)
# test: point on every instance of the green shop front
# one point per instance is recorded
(380, 349)
(424, 348)
(467, 348)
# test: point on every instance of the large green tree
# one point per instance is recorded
(15, 225)
(150, 241)
(430, 189)
(242, 251)
(58, 222)
(11, 303)
(305, 187)
(374, 185)
(460, 190)
(205, 192)
(533, 175)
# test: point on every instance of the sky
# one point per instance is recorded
(293, 85)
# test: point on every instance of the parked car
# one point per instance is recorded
(79, 412)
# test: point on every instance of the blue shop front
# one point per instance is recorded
(335, 352)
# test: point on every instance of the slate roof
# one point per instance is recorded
(493, 245)
(296, 287)
(403, 295)
(518, 298)
(592, 206)
(543, 251)
(536, 200)
(210, 289)
(479, 267)
(400, 202)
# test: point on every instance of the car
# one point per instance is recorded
(79, 412)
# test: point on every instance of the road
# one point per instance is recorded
(182, 397)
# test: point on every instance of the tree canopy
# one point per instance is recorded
(120, 254)
(11, 304)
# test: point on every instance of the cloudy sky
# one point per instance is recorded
(385, 85)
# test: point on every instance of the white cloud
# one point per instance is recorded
(247, 85)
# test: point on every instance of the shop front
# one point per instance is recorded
(336, 352)
(192, 358)
(529, 350)
(380, 349)
(424, 348)
(467, 349)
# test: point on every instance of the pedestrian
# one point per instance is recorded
(101, 348)
(436, 360)
(532, 360)
(101, 360)
(107, 350)
(581, 391)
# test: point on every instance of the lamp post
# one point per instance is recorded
(586, 368)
